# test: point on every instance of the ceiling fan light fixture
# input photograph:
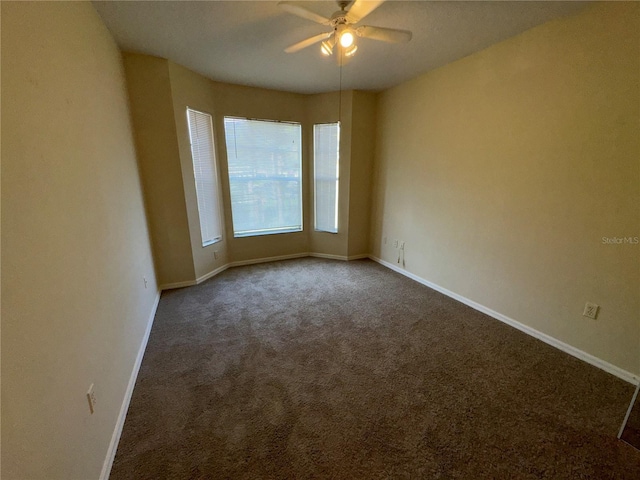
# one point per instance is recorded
(343, 22)
(326, 48)
(350, 52)
(346, 38)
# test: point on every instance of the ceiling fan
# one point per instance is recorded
(343, 34)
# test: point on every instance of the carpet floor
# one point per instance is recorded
(313, 368)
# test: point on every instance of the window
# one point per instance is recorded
(326, 166)
(204, 171)
(265, 176)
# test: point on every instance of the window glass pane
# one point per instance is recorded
(265, 172)
(206, 178)
(326, 165)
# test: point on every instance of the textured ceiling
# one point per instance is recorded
(242, 42)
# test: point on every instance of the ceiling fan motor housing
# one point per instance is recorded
(343, 24)
(338, 18)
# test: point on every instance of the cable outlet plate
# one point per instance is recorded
(590, 310)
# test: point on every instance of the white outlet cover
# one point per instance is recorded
(590, 310)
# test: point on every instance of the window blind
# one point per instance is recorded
(326, 166)
(206, 179)
(265, 172)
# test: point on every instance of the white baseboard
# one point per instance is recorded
(587, 357)
(171, 286)
(344, 258)
(628, 414)
(190, 283)
(253, 261)
(115, 438)
(212, 273)
(328, 256)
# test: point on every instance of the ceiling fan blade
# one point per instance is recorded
(391, 35)
(303, 12)
(362, 8)
(308, 42)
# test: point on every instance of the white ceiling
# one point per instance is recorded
(242, 42)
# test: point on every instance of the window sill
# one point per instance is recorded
(211, 242)
(258, 233)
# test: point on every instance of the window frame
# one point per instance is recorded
(217, 220)
(270, 230)
(337, 180)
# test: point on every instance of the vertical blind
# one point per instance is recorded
(204, 170)
(265, 176)
(326, 165)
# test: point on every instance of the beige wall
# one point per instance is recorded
(324, 108)
(188, 89)
(504, 170)
(161, 91)
(240, 101)
(74, 238)
(357, 121)
(152, 112)
(362, 153)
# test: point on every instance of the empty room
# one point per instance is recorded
(319, 239)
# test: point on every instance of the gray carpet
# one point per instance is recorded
(314, 368)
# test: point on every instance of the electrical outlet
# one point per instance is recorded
(590, 310)
(91, 397)
(215, 254)
(144, 279)
(395, 244)
(401, 245)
